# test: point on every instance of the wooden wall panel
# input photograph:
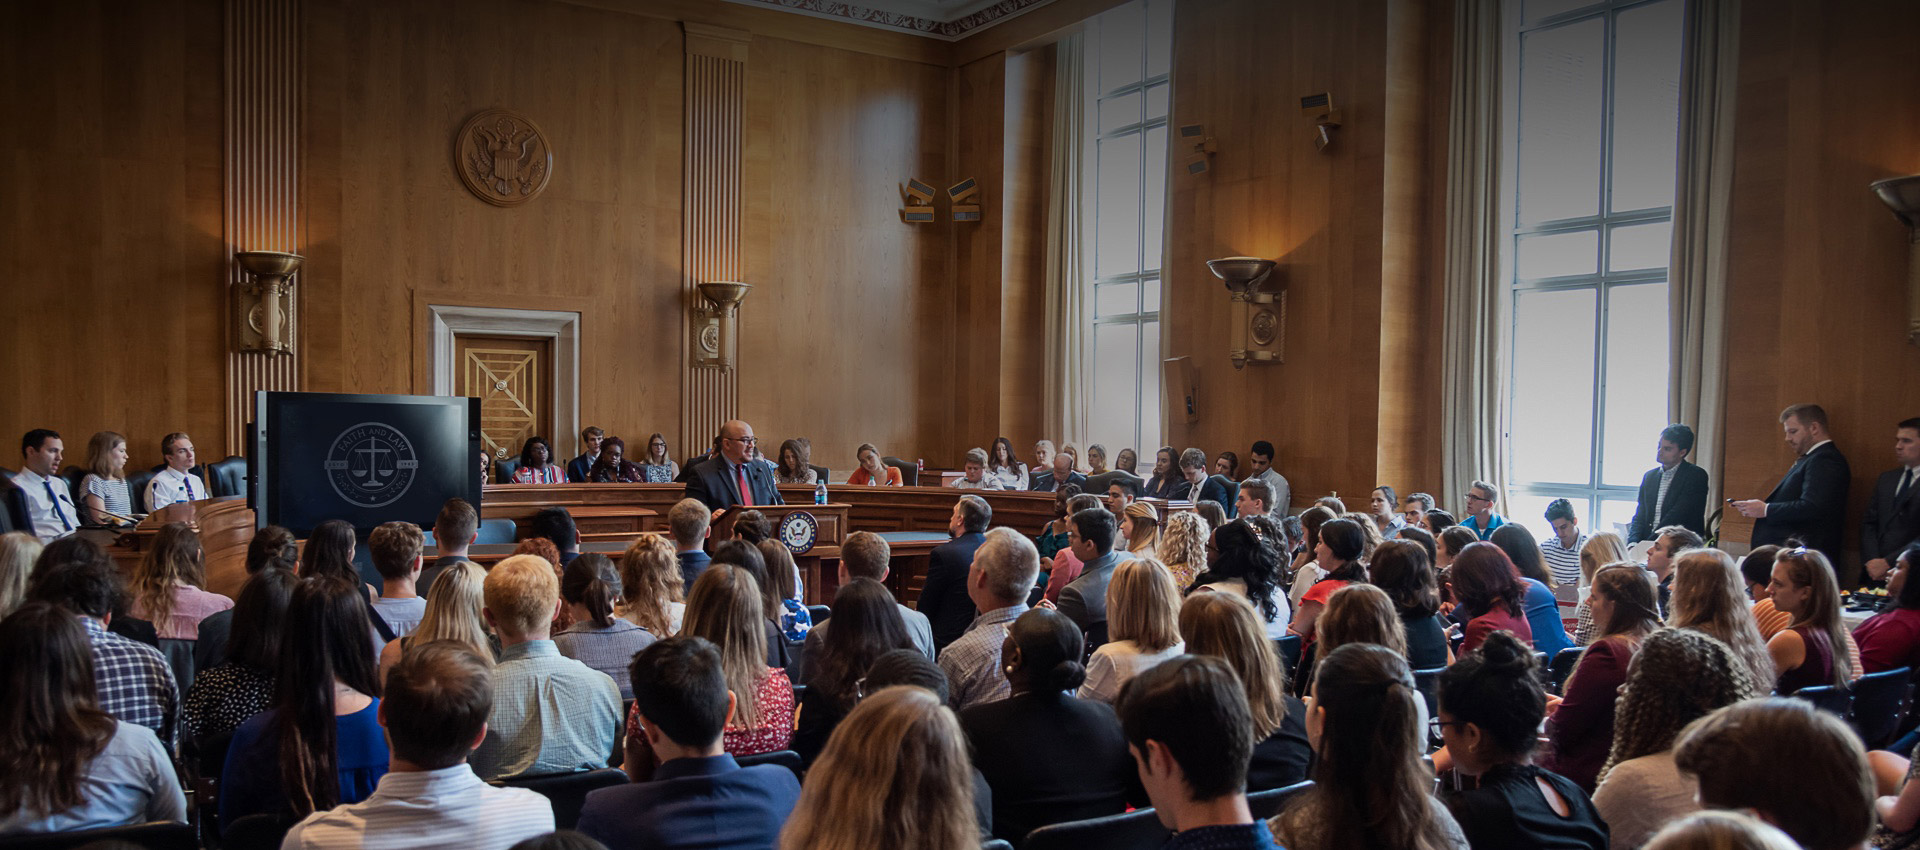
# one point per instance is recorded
(1028, 129)
(715, 102)
(1817, 283)
(980, 152)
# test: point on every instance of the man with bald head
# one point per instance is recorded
(734, 478)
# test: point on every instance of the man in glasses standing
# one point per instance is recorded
(734, 478)
(1480, 519)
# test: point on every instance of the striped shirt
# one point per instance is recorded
(549, 474)
(609, 650)
(972, 661)
(1563, 563)
(112, 492)
(551, 714)
(449, 807)
(134, 681)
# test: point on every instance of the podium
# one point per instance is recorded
(821, 584)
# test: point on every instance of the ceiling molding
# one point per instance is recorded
(946, 20)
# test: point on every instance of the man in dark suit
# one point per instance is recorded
(1893, 515)
(1084, 600)
(1811, 501)
(944, 598)
(1200, 486)
(578, 467)
(1059, 476)
(1673, 493)
(733, 478)
(687, 791)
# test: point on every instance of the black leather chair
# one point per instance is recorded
(1561, 667)
(821, 473)
(151, 836)
(74, 476)
(909, 472)
(1827, 698)
(784, 758)
(137, 482)
(819, 613)
(1428, 683)
(1233, 490)
(1136, 830)
(1289, 649)
(1879, 702)
(1266, 804)
(503, 470)
(13, 509)
(228, 476)
(567, 791)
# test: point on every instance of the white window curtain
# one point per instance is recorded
(1063, 408)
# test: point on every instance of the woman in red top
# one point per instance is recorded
(1338, 555)
(725, 608)
(1580, 730)
(1484, 582)
(1892, 638)
(871, 470)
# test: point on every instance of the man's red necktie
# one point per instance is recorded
(740, 475)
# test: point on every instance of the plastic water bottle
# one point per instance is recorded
(820, 492)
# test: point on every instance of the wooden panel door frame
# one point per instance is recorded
(439, 322)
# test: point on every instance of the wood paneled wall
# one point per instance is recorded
(1817, 283)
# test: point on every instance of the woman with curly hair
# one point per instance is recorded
(1580, 730)
(796, 463)
(1183, 547)
(1677, 675)
(1707, 598)
(612, 467)
(537, 464)
(1244, 564)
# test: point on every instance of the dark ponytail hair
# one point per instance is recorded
(327, 637)
(1497, 688)
(1050, 651)
(590, 581)
(329, 552)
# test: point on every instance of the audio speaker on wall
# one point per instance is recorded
(1183, 386)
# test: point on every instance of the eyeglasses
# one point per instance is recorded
(747, 440)
(1476, 497)
(1439, 726)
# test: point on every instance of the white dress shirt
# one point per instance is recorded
(170, 485)
(49, 505)
(449, 807)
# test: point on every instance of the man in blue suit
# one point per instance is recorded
(590, 439)
(687, 791)
(734, 478)
(1059, 476)
(944, 598)
(1200, 486)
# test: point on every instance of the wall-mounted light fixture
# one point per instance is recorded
(1326, 119)
(716, 324)
(1902, 195)
(263, 306)
(1259, 312)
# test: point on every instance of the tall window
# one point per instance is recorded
(1129, 53)
(1592, 103)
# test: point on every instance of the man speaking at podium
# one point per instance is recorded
(733, 478)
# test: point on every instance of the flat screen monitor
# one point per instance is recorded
(366, 459)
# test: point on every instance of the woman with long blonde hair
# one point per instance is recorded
(1224, 625)
(651, 587)
(1707, 597)
(1601, 549)
(453, 613)
(1140, 529)
(894, 774)
(18, 551)
(1811, 650)
(725, 608)
(1143, 621)
(1183, 547)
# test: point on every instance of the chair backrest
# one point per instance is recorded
(1879, 702)
(784, 758)
(909, 472)
(996, 844)
(1136, 830)
(496, 530)
(1289, 648)
(567, 791)
(821, 473)
(137, 481)
(819, 613)
(1428, 683)
(13, 509)
(1562, 666)
(1266, 804)
(1827, 698)
(74, 475)
(1233, 490)
(228, 476)
(503, 470)
(158, 835)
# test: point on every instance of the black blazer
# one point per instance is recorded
(1810, 503)
(714, 486)
(1890, 525)
(1213, 489)
(1050, 758)
(577, 469)
(1686, 504)
(1043, 481)
(944, 598)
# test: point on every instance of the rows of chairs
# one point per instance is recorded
(1141, 829)
(1875, 705)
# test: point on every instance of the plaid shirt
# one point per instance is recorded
(972, 661)
(551, 714)
(134, 681)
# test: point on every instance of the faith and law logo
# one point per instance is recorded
(371, 464)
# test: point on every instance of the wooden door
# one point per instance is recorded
(513, 378)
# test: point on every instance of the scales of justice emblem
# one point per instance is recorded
(371, 464)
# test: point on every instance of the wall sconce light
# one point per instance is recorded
(1902, 195)
(919, 198)
(716, 324)
(263, 305)
(1259, 313)
(1326, 119)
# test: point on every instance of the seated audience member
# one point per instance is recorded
(1128, 461)
(486, 467)
(943, 598)
(1254, 499)
(1891, 638)
(1580, 731)
(976, 477)
(455, 611)
(1097, 460)
(1480, 518)
(865, 554)
(1490, 595)
(72, 765)
(909, 667)
(1787, 763)
(612, 467)
(1195, 485)
(1004, 468)
(688, 523)
(1227, 464)
(1603, 549)
(796, 464)
(1369, 533)
(1414, 511)
(1042, 456)
(900, 752)
(1383, 510)
(551, 714)
(1707, 598)
(746, 556)
(397, 553)
(107, 500)
(598, 639)
(1004, 569)
(135, 682)
(49, 502)
(1719, 831)
(1401, 568)
(784, 591)
(1677, 675)
(1065, 566)
(1059, 475)
(1213, 512)
(726, 609)
(1119, 496)
(1491, 706)
(1439, 521)
(18, 551)
(1183, 547)
(537, 464)
(1225, 626)
(1756, 569)
(872, 471)
(869, 627)
(1369, 785)
(556, 525)
(1050, 757)
(437, 700)
(652, 588)
(580, 467)
(176, 481)
(1810, 651)
(752, 526)
(1143, 614)
(1669, 544)
(224, 696)
(1338, 557)
(1084, 600)
(687, 791)
(1249, 567)
(1360, 613)
(657, 466)
(1260, 462)
(1305, 570)
(1073, 456)
(1139, 529)
(328, 552)
(1562, 548)
(1542, 607)
(169, 591)
(1186, 725)
(454, 530)
(1165, 476)
(321, 744)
